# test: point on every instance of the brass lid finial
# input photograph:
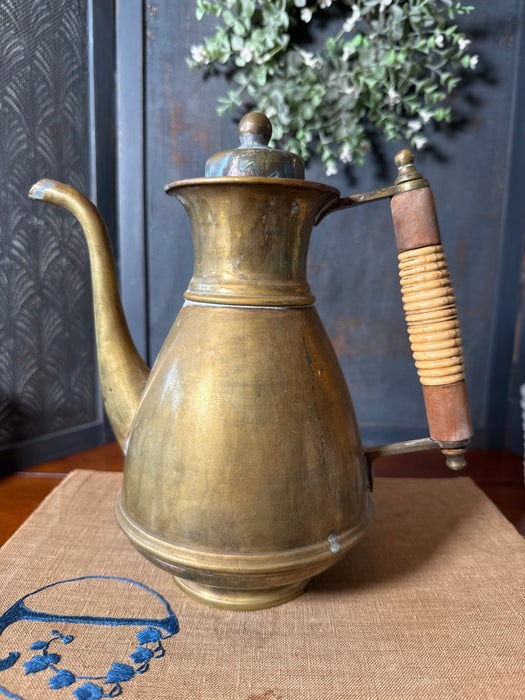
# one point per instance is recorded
(404, 160)
(255, 129)
(404, 157)
(408, 178)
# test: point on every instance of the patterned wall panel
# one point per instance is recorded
(47, 370)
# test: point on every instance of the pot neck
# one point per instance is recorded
(251, 238)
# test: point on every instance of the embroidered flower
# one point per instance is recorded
(142, 654)
(36, 664)
(118, 673)
(40, 662)
(61, 679)
(150, 634)
(89, 691)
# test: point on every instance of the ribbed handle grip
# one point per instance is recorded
(431, 314)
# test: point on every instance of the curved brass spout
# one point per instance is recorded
(123, 373)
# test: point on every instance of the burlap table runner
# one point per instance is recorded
(429, 604)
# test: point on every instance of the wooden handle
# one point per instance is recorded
(431, 315)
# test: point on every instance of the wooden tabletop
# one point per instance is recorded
(498, 473)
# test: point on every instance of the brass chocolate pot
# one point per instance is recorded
(244, 474)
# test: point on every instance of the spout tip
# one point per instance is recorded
(40, 188)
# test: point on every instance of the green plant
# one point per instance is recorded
(390, 66)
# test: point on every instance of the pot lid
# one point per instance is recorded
(254, 158)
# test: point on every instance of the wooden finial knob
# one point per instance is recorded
(255, 128)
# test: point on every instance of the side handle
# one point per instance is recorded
(430, 308)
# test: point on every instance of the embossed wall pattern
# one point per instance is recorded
(47, 371)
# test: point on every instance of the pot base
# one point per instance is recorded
(240, 599)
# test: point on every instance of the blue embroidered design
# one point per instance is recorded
(7, 694)
(89, 691)
(9, 660)
(61, 679)
(119, 673)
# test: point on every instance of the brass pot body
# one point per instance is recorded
(244, 473)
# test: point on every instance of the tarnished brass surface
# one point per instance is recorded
(255, 459)
(454, 451)
(244, 473)
(123, 374)
(253, 600)
(250, 237)
(408, 178)
(355, 200)
(254, 157)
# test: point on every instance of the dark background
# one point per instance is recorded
(98, 94)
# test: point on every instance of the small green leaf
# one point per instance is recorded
(236, 43)
(261, 76)
(330, 46)
(238, 28)
(228, 18)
